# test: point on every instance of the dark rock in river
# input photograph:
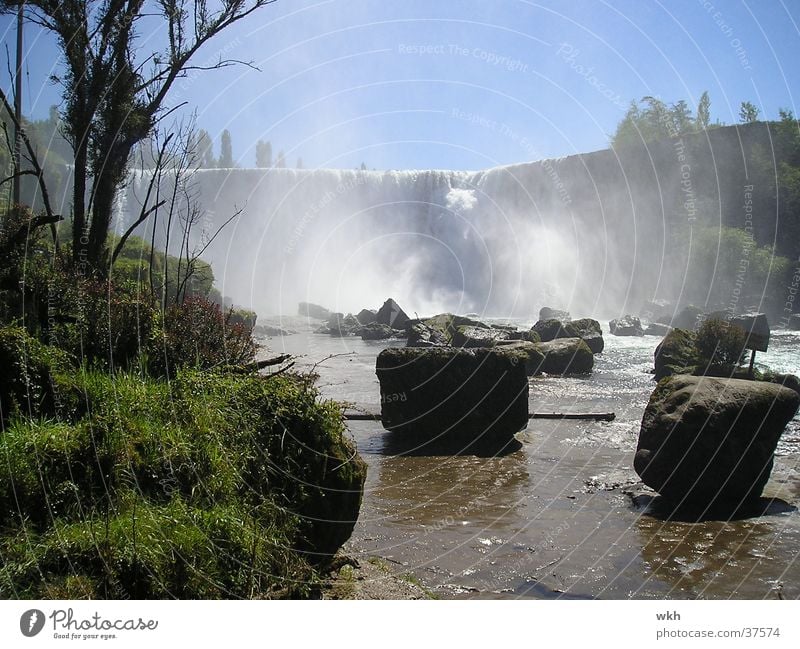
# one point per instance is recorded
(546, 313)
(367, 316)
(391, 314)
(421, 335)
(528, 353)
(447, 325)
(708, 441)
(311, 310)
(377, 331)
(271, 330)
(453, 397)
(657, 329)
(471, 336)
(587, 329)
(676, 354)
(628, 325)
(689, 318)
(341, 325)
(756, 329)
(566, 356)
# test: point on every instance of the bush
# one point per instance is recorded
(719, 343)
(213, 485)
(196, 334)
(27, 368)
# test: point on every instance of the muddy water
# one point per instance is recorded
(565, 515)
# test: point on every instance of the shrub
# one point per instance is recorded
(196, 334)
(27, 368)
(719, 343)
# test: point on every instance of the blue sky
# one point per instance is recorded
(468, 84)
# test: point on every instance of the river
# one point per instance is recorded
(565, 516)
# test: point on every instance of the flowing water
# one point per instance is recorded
(565, 516)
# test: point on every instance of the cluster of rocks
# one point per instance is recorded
(370, 324)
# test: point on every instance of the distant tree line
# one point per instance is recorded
(651, 119)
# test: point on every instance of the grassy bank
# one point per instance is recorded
(211, 485)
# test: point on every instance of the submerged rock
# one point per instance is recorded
(566, 356)
(708, 441)
(391, 314)
(628, 325)
(458, 398)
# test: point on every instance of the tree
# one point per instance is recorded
(682, 121)
(703, 112)
(748, 113)
(280, 162)
(205, 150)
(226, 151)
(263, 154)
(114, 93)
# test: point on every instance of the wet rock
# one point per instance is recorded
(472, 336)
(657, 329)
(628, 325)
(589, 331)
(377, 331)
(525, 336)
(756, 329)
(343, 325)
(708, 441)
(566, 356)
(311, 310)
(688, 318)
(391, 314)
(676, 354)
(549, 329)
(454, 397)
(529, 353)
(421, 335)
(447, 325)
(367, 316)
(547, 313)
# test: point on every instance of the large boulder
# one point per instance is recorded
(459, 398)
(676, 354)
(657, 329)
(708, 441)
(529, 353)
(421, 335)
(471, 336)
(311, 310)
(377, 331)
(628, 325)
(343, 325)
(756, 329)
(448, 324)
(391, 314)
(566, 356)
(367, 316)
(547, 313)
(589, 331)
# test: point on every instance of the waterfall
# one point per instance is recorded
(504, 241)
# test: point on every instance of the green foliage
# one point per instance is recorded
(719, 343)
(748, 112)
(196, 333)
(210, 486)
(26, 373)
